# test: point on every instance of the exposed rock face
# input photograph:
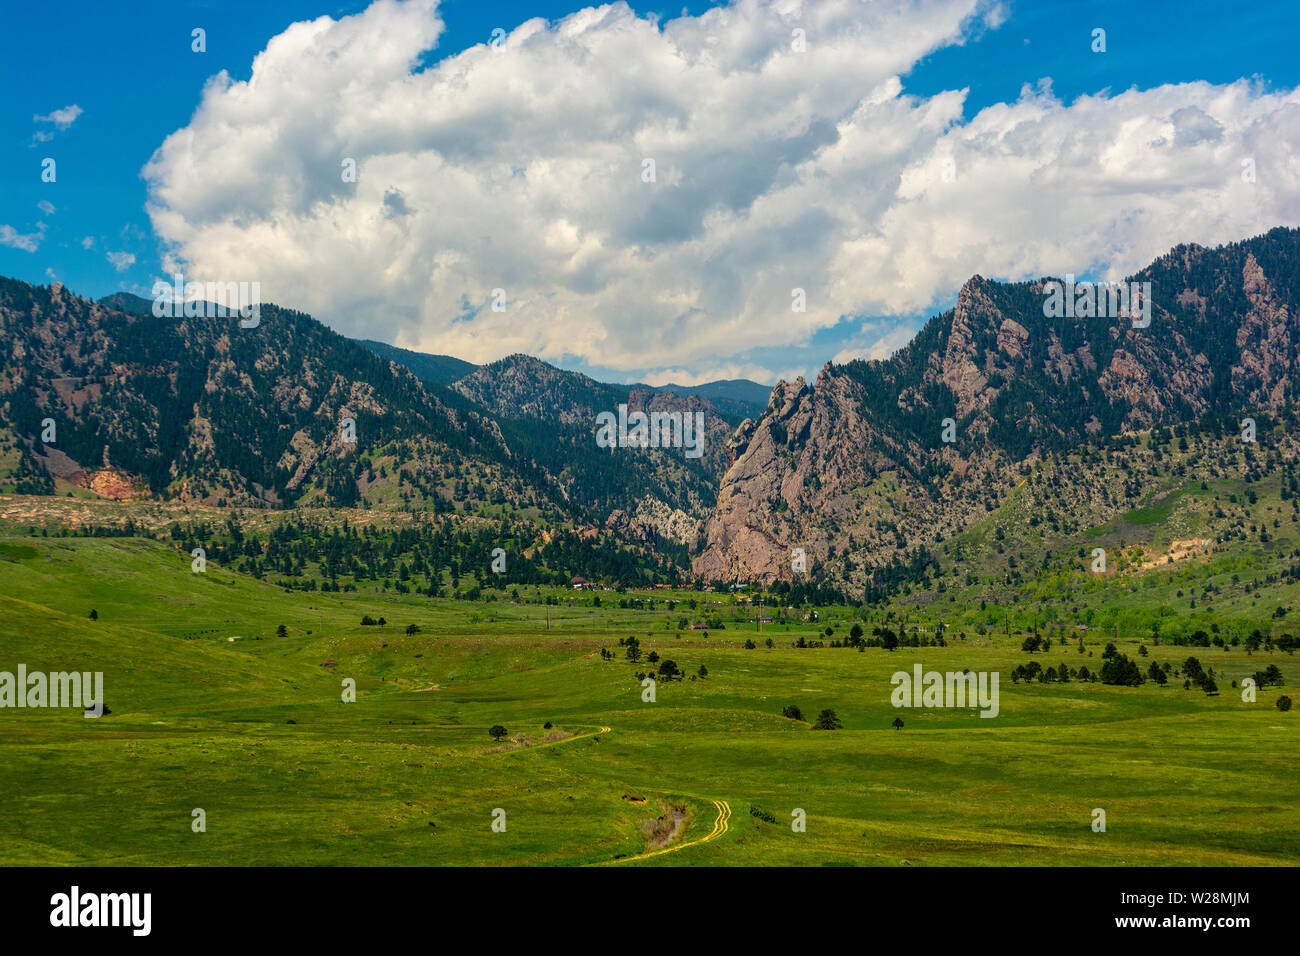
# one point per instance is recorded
(816, 474)
(1265, 366)
(110, 483)
(856, 471)
(959, 370)
(651, 521)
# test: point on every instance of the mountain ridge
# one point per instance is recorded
(1011, 385)
(873, 470)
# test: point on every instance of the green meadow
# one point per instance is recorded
(211, 710)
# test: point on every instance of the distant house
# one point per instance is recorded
(580, 583)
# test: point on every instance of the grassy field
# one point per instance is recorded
(254, 732)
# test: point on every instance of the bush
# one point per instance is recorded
(827, 720)
(1284, 703)
(793, 712)
(496, 731)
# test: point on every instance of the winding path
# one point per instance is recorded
(720, 826)
(721, 823)
(562, 740)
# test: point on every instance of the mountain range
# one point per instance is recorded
(734, 398)
(878, 472)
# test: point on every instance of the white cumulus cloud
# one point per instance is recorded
(523, 169)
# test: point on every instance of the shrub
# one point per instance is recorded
(827, 720)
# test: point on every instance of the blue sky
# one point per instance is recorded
(135, 80)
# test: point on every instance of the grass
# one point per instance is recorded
(255, 733)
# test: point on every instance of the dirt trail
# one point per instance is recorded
(720, 826)
(550, 743)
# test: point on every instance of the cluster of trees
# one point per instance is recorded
(420, 557)
(1202, 677)
(1119, 670)
(1035, 671)
(667, 669)
(807, 591)
(826, 720)
(1253, 642)
(885, 637)
(1270, 675)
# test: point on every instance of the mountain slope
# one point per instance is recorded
(290, 413)
(855, 469)
(203, 408)
(550, 417)
(438, 369)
